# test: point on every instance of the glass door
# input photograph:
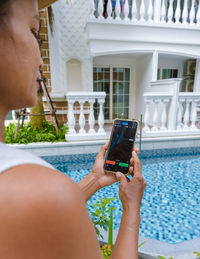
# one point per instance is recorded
(120, 93)
(115, 81)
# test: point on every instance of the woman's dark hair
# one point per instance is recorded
(4, 7)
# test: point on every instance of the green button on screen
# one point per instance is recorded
(123, 164)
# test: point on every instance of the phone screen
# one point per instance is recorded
(121, 146)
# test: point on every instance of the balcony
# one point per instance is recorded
(168, 26)
(170, 112)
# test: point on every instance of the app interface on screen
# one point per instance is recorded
(121, 146)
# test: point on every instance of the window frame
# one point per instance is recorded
(111, 87)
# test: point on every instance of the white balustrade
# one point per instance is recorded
(198, 15)
(192, 12)
(92, 9)
(142, 11)
(151, 11)
(82, 117)
(100, 9)
(155, 115)
(147, 115)
(180, 115)
(83, 97)
(156, 112)
(185, 12)
(170, 12)
(165, 101)
(163, 12)
(109, 9)
(126, 10)
(187, 114)
(71, 118)
(134, 11)
(117, 10)
(91, 116)
(178, 12)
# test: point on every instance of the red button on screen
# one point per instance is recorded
(110, 162)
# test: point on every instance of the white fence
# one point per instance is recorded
(82, 98)
(149, 11)
(170, 110)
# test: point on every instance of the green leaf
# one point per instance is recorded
(161, 257)
(110, 230)
(142, 244)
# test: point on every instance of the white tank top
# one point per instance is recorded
(11, 157)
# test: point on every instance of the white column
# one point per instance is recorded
(118, 10)
(70, 117)
(150, 12)
(163, 12)
(197, 77)
(147, 115)
(170, 12)
(109, 9)
(194, 114)
(164, 114)
(91, 116)
(180, 114)
(100, 9)
(155, 115)
(82, 117)
(157, 10)
(192, 12)
(187, 114)
(134, 12)
(126, 10)
(178, 12)
(142, 11)
(101, 116)
(185, 13)
(154, 65)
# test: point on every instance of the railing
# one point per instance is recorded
(167, 111)
(149, 11)
(83, 98)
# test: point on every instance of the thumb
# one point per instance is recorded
(121, 177)
(104, 149)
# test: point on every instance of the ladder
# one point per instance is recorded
(52, 112)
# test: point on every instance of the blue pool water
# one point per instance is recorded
(170, 209)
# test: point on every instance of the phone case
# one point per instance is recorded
(111, 138)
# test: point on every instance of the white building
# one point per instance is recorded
(138, 55)
(139, 62)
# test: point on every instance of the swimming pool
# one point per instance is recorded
(170, 209)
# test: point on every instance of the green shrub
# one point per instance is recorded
(100, 214)
(27, 134)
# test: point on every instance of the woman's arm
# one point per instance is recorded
(130, 194)
(97, 178)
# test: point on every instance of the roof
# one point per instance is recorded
(45, 3)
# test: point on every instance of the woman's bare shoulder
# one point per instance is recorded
(43, 211)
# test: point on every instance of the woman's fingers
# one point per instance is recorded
(121, 178)
(103, 149)
(137, 166)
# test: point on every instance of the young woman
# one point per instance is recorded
(43, 213)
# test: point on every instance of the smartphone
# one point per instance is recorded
(122, 142)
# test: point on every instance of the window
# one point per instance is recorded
(115, 82)
(166, 73)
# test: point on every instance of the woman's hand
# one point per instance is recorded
(103, 178)
(131, 192)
